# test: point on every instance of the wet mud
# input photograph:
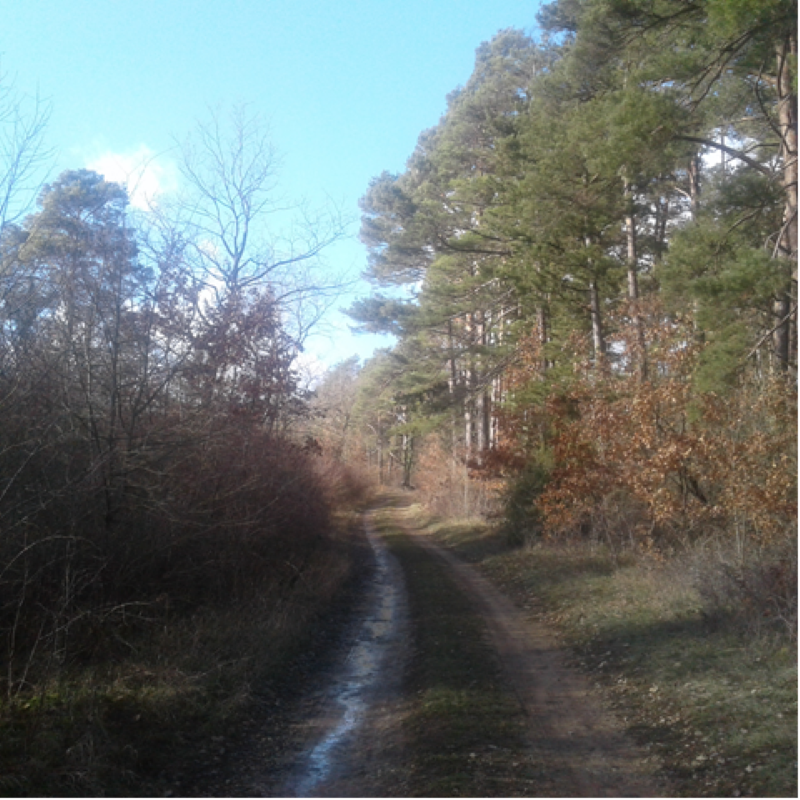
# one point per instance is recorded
(356, 719)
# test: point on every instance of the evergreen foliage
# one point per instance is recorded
(596, 253)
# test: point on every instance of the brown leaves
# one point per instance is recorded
(693, 461)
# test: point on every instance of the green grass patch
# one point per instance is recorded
(718, 706)
(464, 729)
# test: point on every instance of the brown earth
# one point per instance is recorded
(343, 735)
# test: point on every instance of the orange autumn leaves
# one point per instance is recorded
(682, 462)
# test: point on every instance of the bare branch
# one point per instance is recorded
(738, 154)
(23, 156)
(242, 233)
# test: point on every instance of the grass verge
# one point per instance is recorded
(718, 707)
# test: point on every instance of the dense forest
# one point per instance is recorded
(590, 266)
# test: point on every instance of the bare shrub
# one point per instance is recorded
(449, 486)
(754, 589)
(346, 486)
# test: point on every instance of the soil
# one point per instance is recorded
(340, 732)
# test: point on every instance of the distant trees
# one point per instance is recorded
(332, 407)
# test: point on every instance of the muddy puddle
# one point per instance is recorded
(359, 704)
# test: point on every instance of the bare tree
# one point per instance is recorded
(243, 233)
(23, 121)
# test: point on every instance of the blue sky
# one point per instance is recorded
(346, 86)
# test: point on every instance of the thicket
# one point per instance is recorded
(148, 474)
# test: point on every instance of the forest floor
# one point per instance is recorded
(447, 663)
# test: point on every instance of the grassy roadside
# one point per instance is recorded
(718, 708)
(174, 698)
(463, 728)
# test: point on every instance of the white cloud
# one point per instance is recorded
(310, 369)
(145, 174)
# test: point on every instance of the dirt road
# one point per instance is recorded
(586, 751)
(346, 736)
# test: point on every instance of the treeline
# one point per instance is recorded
(147, 386)
(590, 267)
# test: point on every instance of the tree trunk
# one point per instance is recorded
(598, 337)
(633, 283)
(694, 185)
(544, 333)
(787, 244)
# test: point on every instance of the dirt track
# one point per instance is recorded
(344, 737)
(586, 751)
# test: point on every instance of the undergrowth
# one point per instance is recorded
(134, 724)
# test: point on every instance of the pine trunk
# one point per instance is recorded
(787, 246)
